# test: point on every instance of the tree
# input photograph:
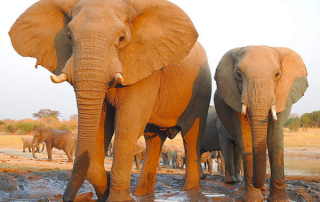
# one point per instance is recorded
(306, 120)
(74, 117)
(316, 118)
(46, 112)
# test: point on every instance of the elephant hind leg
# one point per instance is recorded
(154, 141)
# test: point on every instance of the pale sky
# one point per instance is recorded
(221, 24)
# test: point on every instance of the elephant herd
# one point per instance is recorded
(136, 67)
(51, 138)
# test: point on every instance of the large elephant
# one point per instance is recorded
(134, 65)
(60, 139)
(256, 87)
(216, 138)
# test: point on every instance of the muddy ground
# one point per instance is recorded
(23, 178)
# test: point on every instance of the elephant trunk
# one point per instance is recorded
(90, 86)
(260, 99)
(34, 143)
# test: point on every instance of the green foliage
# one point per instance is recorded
(51, 116)
(306, 120)
(46, 112)
(293, 124)
(11, 128)
(25, 127)
(38, 125)
(2, 123)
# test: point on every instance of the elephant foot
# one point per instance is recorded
(142, 190)
(264, 188)
(252, 195)
(230, 180)
(203, 176)
(278, 197)
(186, 188)
(120, 195)
(238, 178)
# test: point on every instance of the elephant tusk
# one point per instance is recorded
(34, 144)
(274, 113)
(118, 78)
(244, 109)
(58, 79)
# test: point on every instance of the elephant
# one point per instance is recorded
(180, 158)
(207, 158)
(27, 142)
(60, 139)
(136, 67)
(256, 88)
(216, 138)
(110, 149)
(169, 155)
(139, 154)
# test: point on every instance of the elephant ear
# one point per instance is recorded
(161, 34)
(293, 81)
(226, 84)
(41, 32)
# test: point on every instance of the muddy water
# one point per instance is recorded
(301, 166)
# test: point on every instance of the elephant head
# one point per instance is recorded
(100, 44)
(260, 81)
(39, 136)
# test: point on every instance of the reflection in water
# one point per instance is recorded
(301, 166)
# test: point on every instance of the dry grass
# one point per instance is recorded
(300, 138)
(309, 138)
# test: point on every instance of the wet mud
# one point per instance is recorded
(50, 185)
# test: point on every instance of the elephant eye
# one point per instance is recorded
(69, 36)
(238, 75)
(122, 38)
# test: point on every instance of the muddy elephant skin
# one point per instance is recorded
(59, 139)
(126, 61)
(256, 87)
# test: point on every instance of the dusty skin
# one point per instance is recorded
(23, 178)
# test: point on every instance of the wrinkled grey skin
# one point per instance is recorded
(216, 137)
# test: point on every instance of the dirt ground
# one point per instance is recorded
(23, 178)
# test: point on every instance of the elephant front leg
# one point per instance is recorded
(191, 142)
(49, 150)
(237, 162)
(154, 141)
(275, 150)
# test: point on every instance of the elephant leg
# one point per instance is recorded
(192, 140)
(68, 153)
(159, 166)
(154, 141)
(227, 152)
(202, 175)
(275, 150)
(237, 163)
(138, 159)
(131, 119)
(49, 150)
(222, 164)
(96, 174)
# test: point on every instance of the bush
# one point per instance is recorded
(11, 128)
(25, 127)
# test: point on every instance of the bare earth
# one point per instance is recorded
(23, 178)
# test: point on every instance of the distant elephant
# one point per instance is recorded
(134, 65)
(59, 139)
(180, 158)
(216, 138)
(27, 142)
(139, 154)
(110, 149)
(207, 158)
(256, 87)
(169, 154)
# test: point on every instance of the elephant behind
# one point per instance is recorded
(27, 142)
(216, 138)
(59, 139)
(256, 88)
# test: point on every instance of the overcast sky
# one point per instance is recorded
(221, 24)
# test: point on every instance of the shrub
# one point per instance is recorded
(11, 128)
(25, 127)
